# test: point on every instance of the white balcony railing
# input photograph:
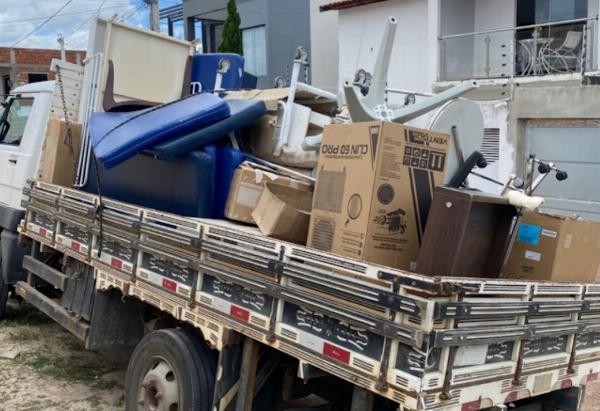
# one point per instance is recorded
(536, 50)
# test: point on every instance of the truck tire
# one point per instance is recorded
(170, 370)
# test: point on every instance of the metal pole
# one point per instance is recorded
(245, 394)
(488, 69)
(583, 57)
(63, 52)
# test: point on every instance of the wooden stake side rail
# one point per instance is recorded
(426, 343)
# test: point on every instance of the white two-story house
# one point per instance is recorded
(536, 62)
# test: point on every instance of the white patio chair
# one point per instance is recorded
(564, 58)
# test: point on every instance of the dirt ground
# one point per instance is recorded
(592, 398)
(43, 367)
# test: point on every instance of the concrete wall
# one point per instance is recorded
(360, 32)
(457, 16)
(208, 9)
(324, 46)
(288, 27)
(287, 24)
(548, 103)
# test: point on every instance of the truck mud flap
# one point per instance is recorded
(11, 257)
(115, 322)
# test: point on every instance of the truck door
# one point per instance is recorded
(12, 152)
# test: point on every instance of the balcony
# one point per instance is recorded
(560, 51)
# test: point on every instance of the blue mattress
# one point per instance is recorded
(185, 186)
(227, 160)
(116, 137)
(243, 113)
(204, 70)
(195, 185)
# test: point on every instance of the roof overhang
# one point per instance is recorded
(346, 4)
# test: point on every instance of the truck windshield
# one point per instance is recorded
(13, 119)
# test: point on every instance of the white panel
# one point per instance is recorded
(323, 47)
(148, 66)
(360, 33)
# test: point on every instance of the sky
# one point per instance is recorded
(19, 18)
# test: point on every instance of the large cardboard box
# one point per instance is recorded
(374, 188)
(58, 162)
(555, 248)
(283, 212)
(248, 182)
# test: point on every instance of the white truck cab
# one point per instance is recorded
(23, 122)
(23, 119)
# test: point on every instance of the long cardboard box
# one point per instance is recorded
(58, 159)
(374, 188)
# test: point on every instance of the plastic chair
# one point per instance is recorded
(564, 58)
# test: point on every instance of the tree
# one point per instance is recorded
(232, 35)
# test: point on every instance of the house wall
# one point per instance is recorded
(359, 37)
(20, 62)
(208, 9)
(287, 25)
(566, 139)
(324, 47)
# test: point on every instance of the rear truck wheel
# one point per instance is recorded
(170, 370)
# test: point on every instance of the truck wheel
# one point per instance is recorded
(170, 370)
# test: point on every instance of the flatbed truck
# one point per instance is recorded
(225, 318)
(180, 288)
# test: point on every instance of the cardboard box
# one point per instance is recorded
(555, 248)
(58, 162)
(374, 188)
(248, 182)
(283, 212)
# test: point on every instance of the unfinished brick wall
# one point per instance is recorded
(22, 62)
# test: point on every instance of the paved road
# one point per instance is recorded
(592, 398)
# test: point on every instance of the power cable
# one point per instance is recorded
(43, 23)
(9, 22)
(87, 20)
(83, 39)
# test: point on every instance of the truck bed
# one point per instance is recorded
(427, 343)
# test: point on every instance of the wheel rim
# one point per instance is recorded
(159, 389)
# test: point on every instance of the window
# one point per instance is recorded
(212, 35)
(255, 50)
(13, 121)
(559, 10)
(546, 11)
(36, 77)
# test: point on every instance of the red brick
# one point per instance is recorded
(35, 61)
